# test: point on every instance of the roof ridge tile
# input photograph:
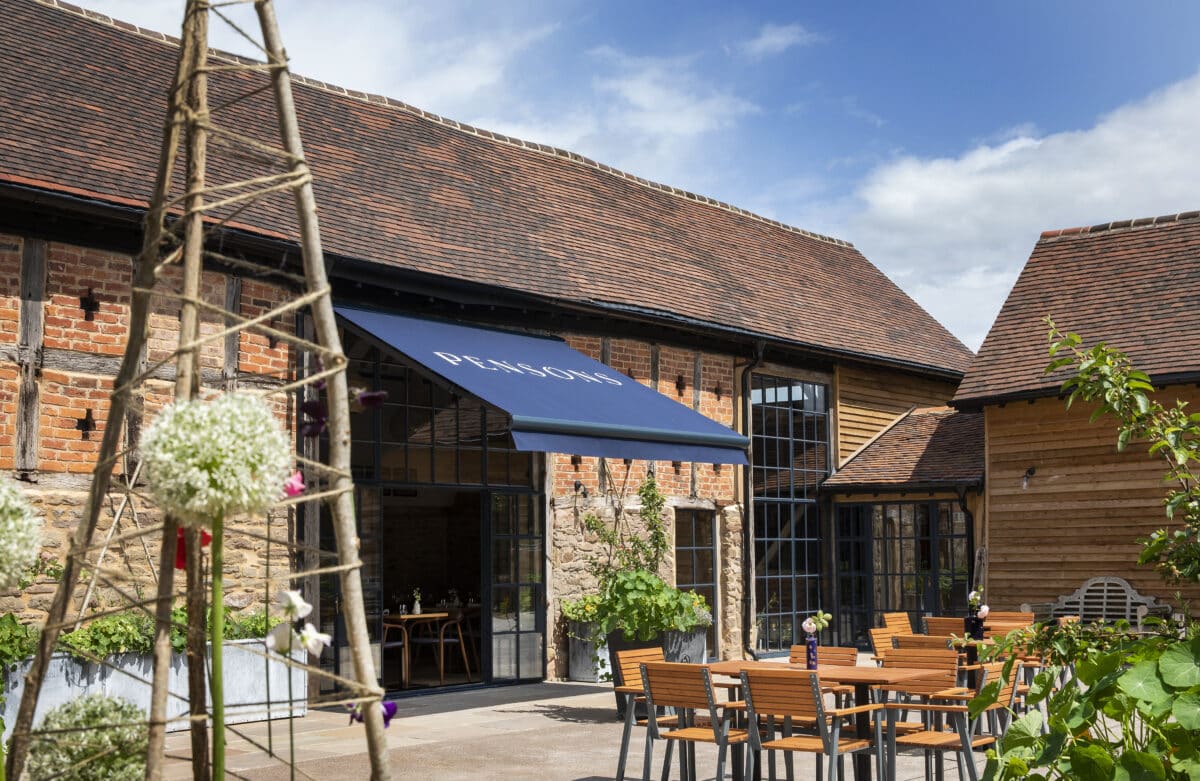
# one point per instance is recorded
(1116, 225)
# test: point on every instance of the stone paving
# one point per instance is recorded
(541, 732)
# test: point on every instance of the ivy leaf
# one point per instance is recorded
(1180, 665)
(1187, 710)
(1142, 682)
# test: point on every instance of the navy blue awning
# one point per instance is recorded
(560, 400)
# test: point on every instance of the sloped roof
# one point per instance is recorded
(1133, 284)
(84, 99)
(926, 449)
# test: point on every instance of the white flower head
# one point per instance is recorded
(809, 626)
(20, 534)
(292, 604)
(983, 611)
(282, 638)
(206, 461)
(313, 640)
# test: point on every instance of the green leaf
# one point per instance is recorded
(1187, 710)
(1025, 731)
(1180, 665)
(1140, 766)
(1142, 682)
(1091, 762)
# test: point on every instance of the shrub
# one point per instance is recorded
(92, 738)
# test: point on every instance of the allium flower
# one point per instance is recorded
(313, 640)
(318, 413)
(20, 534)
(209, 460)
(282, 638)
(809, 626)
(983, 611)
(294, 485)
(974, 599)
(292, 605)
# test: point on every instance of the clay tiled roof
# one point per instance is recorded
(1133, 284)
(927, 449)
(82, 109)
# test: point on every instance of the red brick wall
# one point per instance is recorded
(10, 286)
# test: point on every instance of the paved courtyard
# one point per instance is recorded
(542, 732)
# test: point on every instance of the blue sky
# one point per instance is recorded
(940, 138)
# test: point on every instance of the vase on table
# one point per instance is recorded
(417, 608)
(810, 652)
(973, 626)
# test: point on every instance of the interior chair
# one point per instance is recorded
(394, 638)
(687, 690)
(898, 621)
(448, 632)
(627, 679)
(797, 694)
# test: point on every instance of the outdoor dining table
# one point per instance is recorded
(407, 622)
(862, 678)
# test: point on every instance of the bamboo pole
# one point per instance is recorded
(144, 278)
(339, 409)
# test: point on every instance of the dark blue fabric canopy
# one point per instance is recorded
(560, 400)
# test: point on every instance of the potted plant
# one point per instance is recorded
(588, 651)
(633, 606)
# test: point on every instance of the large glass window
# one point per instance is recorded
(696, 560)
(791, 458)
(901, 556)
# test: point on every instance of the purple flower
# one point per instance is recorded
(366, 399)
(319, 414)
(389, 712)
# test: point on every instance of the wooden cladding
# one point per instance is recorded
(870, 399)
(1081, 510)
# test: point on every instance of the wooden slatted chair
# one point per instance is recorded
(944, 625)
(899, 621)
(922, 641)
(881, 640)
(627, 679)
(935, 697)
(394, 638)
(798, 694)
(829, 654)
(687, 689)
(1000, 712)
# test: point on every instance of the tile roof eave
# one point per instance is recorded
(977, 402)
(901, 486)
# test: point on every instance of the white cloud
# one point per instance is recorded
(776, 38)
(955, 232)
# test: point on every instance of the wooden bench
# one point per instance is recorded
(1102, 599)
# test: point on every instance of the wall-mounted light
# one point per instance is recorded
(680, 384)
(581, 489)
(1030, 472)
(576, 460)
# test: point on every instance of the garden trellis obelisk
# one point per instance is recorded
(180, 233)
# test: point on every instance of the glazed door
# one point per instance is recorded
(515, 607)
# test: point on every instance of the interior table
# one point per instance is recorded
(406, 622)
